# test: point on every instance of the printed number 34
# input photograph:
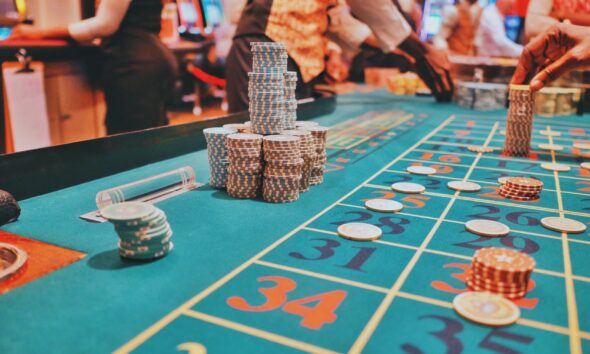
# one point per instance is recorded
(314, 317)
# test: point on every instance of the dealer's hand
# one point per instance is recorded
(560, 49)
(432, 65)
(433, 68)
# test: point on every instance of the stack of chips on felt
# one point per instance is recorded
(519, 121)
(502, 271)
(217, 153)
(282, 172)
(320, 135)
(266, 87)
(143, 229)
(290, 100)
(521, 188)
(245, 165)
(306, 147)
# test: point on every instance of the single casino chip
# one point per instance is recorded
(359, 231)
(383, 205)
(555, 167)
(421, 170)
(480, 149)
(408, 187)
(487, 228)
(582, 145)
(464, 186)
(549, 133)
(585, 165)
(486, 308)
(127, 211)
(12, 259)
(550, 147)
(559, 224)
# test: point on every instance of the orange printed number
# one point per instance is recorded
(584, 189)
(323, 312)
(314, 317)
(493, 194)
(414, 201)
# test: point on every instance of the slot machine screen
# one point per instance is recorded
(191, 20)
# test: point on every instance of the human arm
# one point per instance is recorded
(492, 39)
(109, 15)
(562, 48)
(538, 18)
(392, 31)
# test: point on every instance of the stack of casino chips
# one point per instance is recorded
(502, 271)
(266, 87)
(304, 124)
(245, 165)
(519, 121)
(217, 153)
(144, 232)
(521, 189)
(320, 135)
(306, 147)
(283, 168)
(290, 100)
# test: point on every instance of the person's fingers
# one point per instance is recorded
(524, 68)
(551, 72)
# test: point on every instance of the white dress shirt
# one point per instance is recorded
(491, 39)
(384, 19)
(109, 15)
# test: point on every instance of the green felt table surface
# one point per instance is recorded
(391, 296)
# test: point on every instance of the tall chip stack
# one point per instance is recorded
(244, 152)
(290, 100)
(320, 135)
(282, 171)
(266, 87)
(519, 122)
(502, 271)
(307, 148)
(217, 153)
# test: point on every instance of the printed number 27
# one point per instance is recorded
(314, 317)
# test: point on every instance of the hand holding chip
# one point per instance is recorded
(562, 48)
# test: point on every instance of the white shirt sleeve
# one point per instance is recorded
(491, 38)
(537, 18)
(345, 30)
(384, 19)
(109, 15)
(450, 16)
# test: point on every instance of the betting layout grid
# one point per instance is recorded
(432, 253)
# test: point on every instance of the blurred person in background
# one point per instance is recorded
(460, 23)
(304, 27)
(491, 39)
(139, 71)
(541, 14)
